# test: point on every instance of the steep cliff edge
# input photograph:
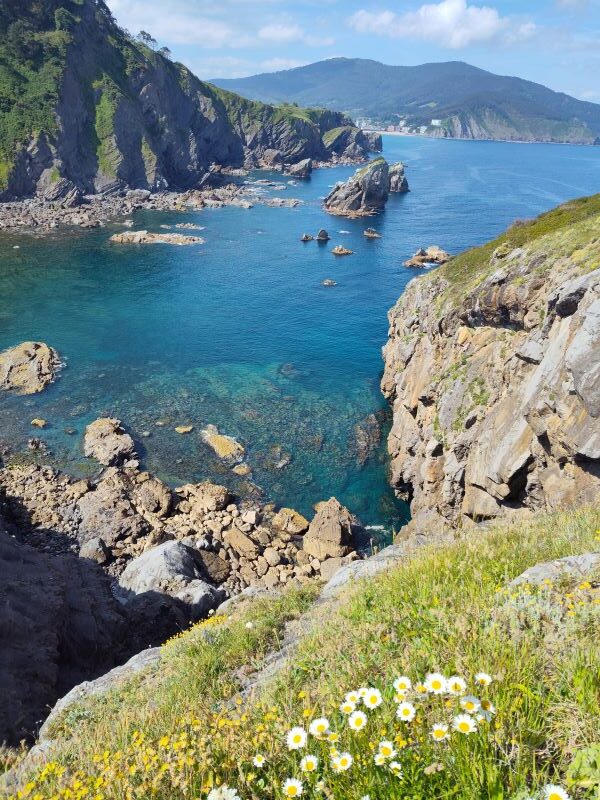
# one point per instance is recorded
(81, 100)
(493, 370)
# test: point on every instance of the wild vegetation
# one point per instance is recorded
(438, 679)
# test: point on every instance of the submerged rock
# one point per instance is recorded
(107, 441)
(28, 368)
(225, 447)
(363, 194)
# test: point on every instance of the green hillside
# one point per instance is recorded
(468, 102)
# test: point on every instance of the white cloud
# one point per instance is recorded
(451, 23)
(276, 64)
(286, 33)
(281, 34)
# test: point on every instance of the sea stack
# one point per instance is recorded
(364, 194)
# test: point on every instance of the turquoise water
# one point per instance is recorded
(239, 332)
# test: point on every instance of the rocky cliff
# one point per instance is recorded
(82, 101)
(493, 370)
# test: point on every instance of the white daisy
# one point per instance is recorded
(483, 679)
(457, 685)
(296, 739)
(347, 707)
(372, 699)
(292, 788)
(352, 697)
(406, 711)
(223, 792)
(386, 748)
(487, 710)
(464, 723)
(402, 684)
(470, 703)
(396, 768)
(342, 762)
(363, 691)
(439, 732)
(319, 727)
(435, 683)
(309, 763)
(357, 720)
(553, 792)
(259, 761)
(379, 759)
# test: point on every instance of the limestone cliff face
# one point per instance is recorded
(114, 113)
(493, 370)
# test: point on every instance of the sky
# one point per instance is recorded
(554, 42)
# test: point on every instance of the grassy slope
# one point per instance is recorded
(174, 737)
(559, 232)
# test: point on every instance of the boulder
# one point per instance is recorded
(398, 182)
(28, 368)
(204, 496)
(107, 441)
(170, 569)
(331, 534)
(302, 169)
(242, 544)
(107, 512)
(290, 521)
(322, 236)
(365, 193)
(578, 568)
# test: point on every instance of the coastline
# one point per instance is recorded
(469, 139)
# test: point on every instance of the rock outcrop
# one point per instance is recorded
(364, 194)
(332, 533)
(108, 442)
(145, 237)
(427, 256)
(302, 169)
(398, 179)
(28, 368)
(495, 382)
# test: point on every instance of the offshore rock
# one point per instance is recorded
(495, 383)
(427, 256)
(28, 368)
(364, 194)
(144, 237)
(398, 181)
(302, 169)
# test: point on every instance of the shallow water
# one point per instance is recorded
(240, 332)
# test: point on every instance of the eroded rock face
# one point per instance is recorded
(495, 383)
(28, 368)
(108, 442)
(365, 193)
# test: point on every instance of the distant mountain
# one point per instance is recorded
(450, 99)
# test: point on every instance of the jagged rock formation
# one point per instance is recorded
(364, 193)
(107, 441)
(28, 368)
(495, 382)
(88, 109)
(302, 169)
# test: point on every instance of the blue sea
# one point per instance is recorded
(240, 332)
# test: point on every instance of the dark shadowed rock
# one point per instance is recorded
(302, 169)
